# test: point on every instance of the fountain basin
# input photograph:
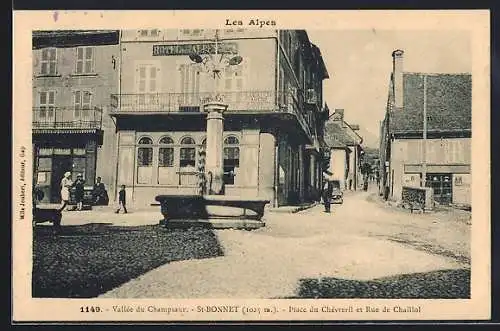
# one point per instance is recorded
(212, 211)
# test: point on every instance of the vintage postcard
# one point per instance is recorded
(251, 166)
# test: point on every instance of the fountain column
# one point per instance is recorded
(214, 162)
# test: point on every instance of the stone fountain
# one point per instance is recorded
(211, 208)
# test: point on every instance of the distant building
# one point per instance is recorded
(444, 157)
(74, 72)
(272, 127)
(346, 150)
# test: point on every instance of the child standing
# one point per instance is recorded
(122, 200)
(79, 192)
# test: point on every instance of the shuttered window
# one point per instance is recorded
(84, 60)
(48, 63)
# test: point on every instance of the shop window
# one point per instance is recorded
(187, 153)
(45, 151)
(48, 61)
(79, 164)
(84, 60)
(45, 163)
(231, 159)
(79, 151)
(43, 178)
(62, 151)
(166, 170)
(144, 161)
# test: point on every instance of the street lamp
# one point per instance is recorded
(214, 61)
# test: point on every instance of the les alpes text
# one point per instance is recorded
(253, 22)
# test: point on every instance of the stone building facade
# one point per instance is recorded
(74, 72)
(444, 156)
(272, 127)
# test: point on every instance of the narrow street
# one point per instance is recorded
(364, 248)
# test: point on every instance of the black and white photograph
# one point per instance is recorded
(220, 165)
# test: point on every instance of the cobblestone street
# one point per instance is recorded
(364, 248)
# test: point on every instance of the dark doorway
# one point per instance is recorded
(442, 187)
(60, 164)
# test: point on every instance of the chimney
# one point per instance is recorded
(397, 72)
(339, 115)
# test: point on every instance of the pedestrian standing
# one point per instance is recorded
(365, 183)
(122, 200)
(66, 185)
(99, 193)
(327, 195)
(79, 192)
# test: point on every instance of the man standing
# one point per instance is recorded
(122, 200)
(327, 191)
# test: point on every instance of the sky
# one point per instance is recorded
(359, 64)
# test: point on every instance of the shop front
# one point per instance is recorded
(58, 154)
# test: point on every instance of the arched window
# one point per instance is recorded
(231, 159)
(166, 171)
(144, 161)
(166, 153)
(145, 141)
(187, 152)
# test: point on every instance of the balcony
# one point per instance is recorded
(192, 102)
(238, 102)
(67, 118)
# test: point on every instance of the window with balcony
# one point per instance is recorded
(84, 60)
(45, 114)
(145, 161)
(48, 63)
(233, 80)
(231, 159)
(189, 87)
(147, 85)
(166, 169)
(82, 105)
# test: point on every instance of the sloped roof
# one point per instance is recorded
(448, 101)
(336, 136)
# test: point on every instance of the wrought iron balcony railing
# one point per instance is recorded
(241, 101)
(192, 102)
(50, 117)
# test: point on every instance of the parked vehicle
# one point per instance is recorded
(337, 194)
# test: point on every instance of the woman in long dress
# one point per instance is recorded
(66, 184)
